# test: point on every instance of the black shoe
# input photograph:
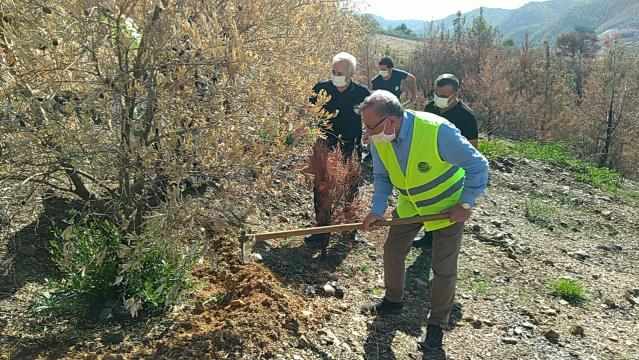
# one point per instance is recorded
(432, 338)
(425, 242)
(317, 240)
(383, 307)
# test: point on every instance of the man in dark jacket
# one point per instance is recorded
(344, 130)
(447, 104)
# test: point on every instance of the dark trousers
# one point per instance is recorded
(446, 246)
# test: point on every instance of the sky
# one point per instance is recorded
(431, 9)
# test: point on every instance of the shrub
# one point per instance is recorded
(335, 177)
(99, 265)
(569, 290)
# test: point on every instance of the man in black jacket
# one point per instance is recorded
(447, 104)
(344, 130)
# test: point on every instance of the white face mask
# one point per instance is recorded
(383, 138)
(338, 81)
(441, 102)
(384, 73)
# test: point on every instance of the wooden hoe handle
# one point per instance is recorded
(344, 227)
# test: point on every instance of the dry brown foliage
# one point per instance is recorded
(335, 176)
(534, 91)
(117, 102)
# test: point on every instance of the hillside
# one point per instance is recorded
(548, 19)
(537, 224)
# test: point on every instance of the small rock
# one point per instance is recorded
(328, 337)
(303, 342)
(613, 338)
(113, 357)
(528, 325)
(549, 311)
(292, 325)
(477, 324)
(596, 276)
(111, 338)
(610, 304)
(633, 296)
(476, 272)
(488, 322)
(552, 336)
(518, 331)
(514, 186)
(615, 248)
(606, 213)
(579, 255)
(509, 340)
(497, 223)
(476, 228)
(329, 290)
(577, 330)
(563, 302)
(256, 257)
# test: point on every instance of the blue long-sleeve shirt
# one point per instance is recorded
(453, 148)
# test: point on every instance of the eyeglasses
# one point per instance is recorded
(376, 125)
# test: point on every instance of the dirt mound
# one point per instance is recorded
(232, 300)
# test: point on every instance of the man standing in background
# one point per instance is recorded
(447, 104)
(344, 131)
(390, 79)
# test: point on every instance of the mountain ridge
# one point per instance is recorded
(547, 19)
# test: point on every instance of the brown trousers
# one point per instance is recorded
(446, 245)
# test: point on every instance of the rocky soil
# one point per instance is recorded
(535, 225)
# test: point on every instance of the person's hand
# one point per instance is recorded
(369, 219)
(458, 214)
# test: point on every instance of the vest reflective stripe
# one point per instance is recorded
(458, 185)
(430, 185)
(423, 188)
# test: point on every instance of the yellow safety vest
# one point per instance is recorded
(430, 185)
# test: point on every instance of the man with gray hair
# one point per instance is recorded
(446, 103)
(435, 170)
(343, 131)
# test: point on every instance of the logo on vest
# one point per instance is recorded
(423, 167)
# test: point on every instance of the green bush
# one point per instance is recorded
(569, 290)
(496, 148)
(99, 266)
(556, 153)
